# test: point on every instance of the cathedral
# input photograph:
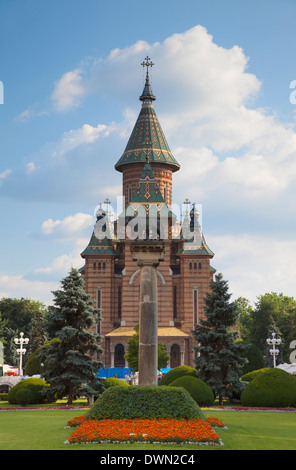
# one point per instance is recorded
(112, 277)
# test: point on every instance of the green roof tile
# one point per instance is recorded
(147, 138)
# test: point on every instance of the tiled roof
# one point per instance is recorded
(147, 138)
(129, 331)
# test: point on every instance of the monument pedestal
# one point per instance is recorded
(148, 255)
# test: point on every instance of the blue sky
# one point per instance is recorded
(72, 77)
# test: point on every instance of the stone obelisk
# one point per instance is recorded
(148, 255)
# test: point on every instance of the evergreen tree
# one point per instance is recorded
(70, 370)
(38, 335)
(219, 359)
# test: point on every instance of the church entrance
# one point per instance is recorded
(119, 360)
(175, 356)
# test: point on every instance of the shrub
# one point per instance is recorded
(175, 373)
(254, 373)
(149, 402)
(3, 396)
(35, 385)
(254, 357)
(272, 388)
(200, 391)
(24, 396)
(114, 382)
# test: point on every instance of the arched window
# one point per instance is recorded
(175, 356)
(119, 360)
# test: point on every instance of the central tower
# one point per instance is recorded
(147, 140)
(183, 277)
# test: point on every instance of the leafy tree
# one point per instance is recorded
(273, 310)
(17, 314)
(132, 355)
(70, 369)
(245, 317)
(219, 359)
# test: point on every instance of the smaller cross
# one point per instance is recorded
(147, 63)
(107, 201)
(187, 202)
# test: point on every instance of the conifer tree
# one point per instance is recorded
(70, 370)
(218, 358)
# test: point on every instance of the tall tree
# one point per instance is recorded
(17, 315)
(274, 310)
(70, 368)
(218, 358)
(38, 336)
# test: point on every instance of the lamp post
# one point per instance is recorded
(21, 351)
(274, 351)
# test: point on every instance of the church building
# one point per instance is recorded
(112, 277)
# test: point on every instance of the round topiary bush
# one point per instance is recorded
(24, 396)
(114, 382)
(175, 373)
(201, 393)
(135, 402)
(254, 373)
(272, 388)
(35, 386)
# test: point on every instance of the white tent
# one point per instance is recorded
(290, 368)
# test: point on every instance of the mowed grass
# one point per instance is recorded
(247, 430)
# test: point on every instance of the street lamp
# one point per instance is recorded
(274, 342)
(21, 351)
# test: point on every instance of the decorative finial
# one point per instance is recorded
(107, 201)
(147, 63)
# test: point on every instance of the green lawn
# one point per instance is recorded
(247, 430)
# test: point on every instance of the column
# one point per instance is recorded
(148, 255)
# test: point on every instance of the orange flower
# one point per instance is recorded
(144, 430)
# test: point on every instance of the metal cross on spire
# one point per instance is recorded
(147, 63)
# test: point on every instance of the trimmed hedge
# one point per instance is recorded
(175, 373)
(272, 388)
(114, 382)
(254, 373)
(199, 390)
(33, 384)
(149, 402)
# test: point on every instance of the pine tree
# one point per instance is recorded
(38, 335)
(219, 359)
(70, 370)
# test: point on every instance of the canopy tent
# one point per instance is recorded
(290, 368)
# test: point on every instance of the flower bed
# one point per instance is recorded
(180, 431)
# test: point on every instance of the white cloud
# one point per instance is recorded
(254, 265)
(71, 226)
(68, 91)
(17, 286)
(5, 173)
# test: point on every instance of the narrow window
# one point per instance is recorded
(99, 307)
(119, 302)
(129, 194)
(175, 301)
(195, 306)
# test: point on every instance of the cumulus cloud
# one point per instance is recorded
(254, 265)
(17, 286)
(68, 91)
(71, 226)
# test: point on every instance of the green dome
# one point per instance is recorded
(147, 138)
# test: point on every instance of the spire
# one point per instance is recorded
(194, 242)
(103, 237)
(147, 138)
(147, 95)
